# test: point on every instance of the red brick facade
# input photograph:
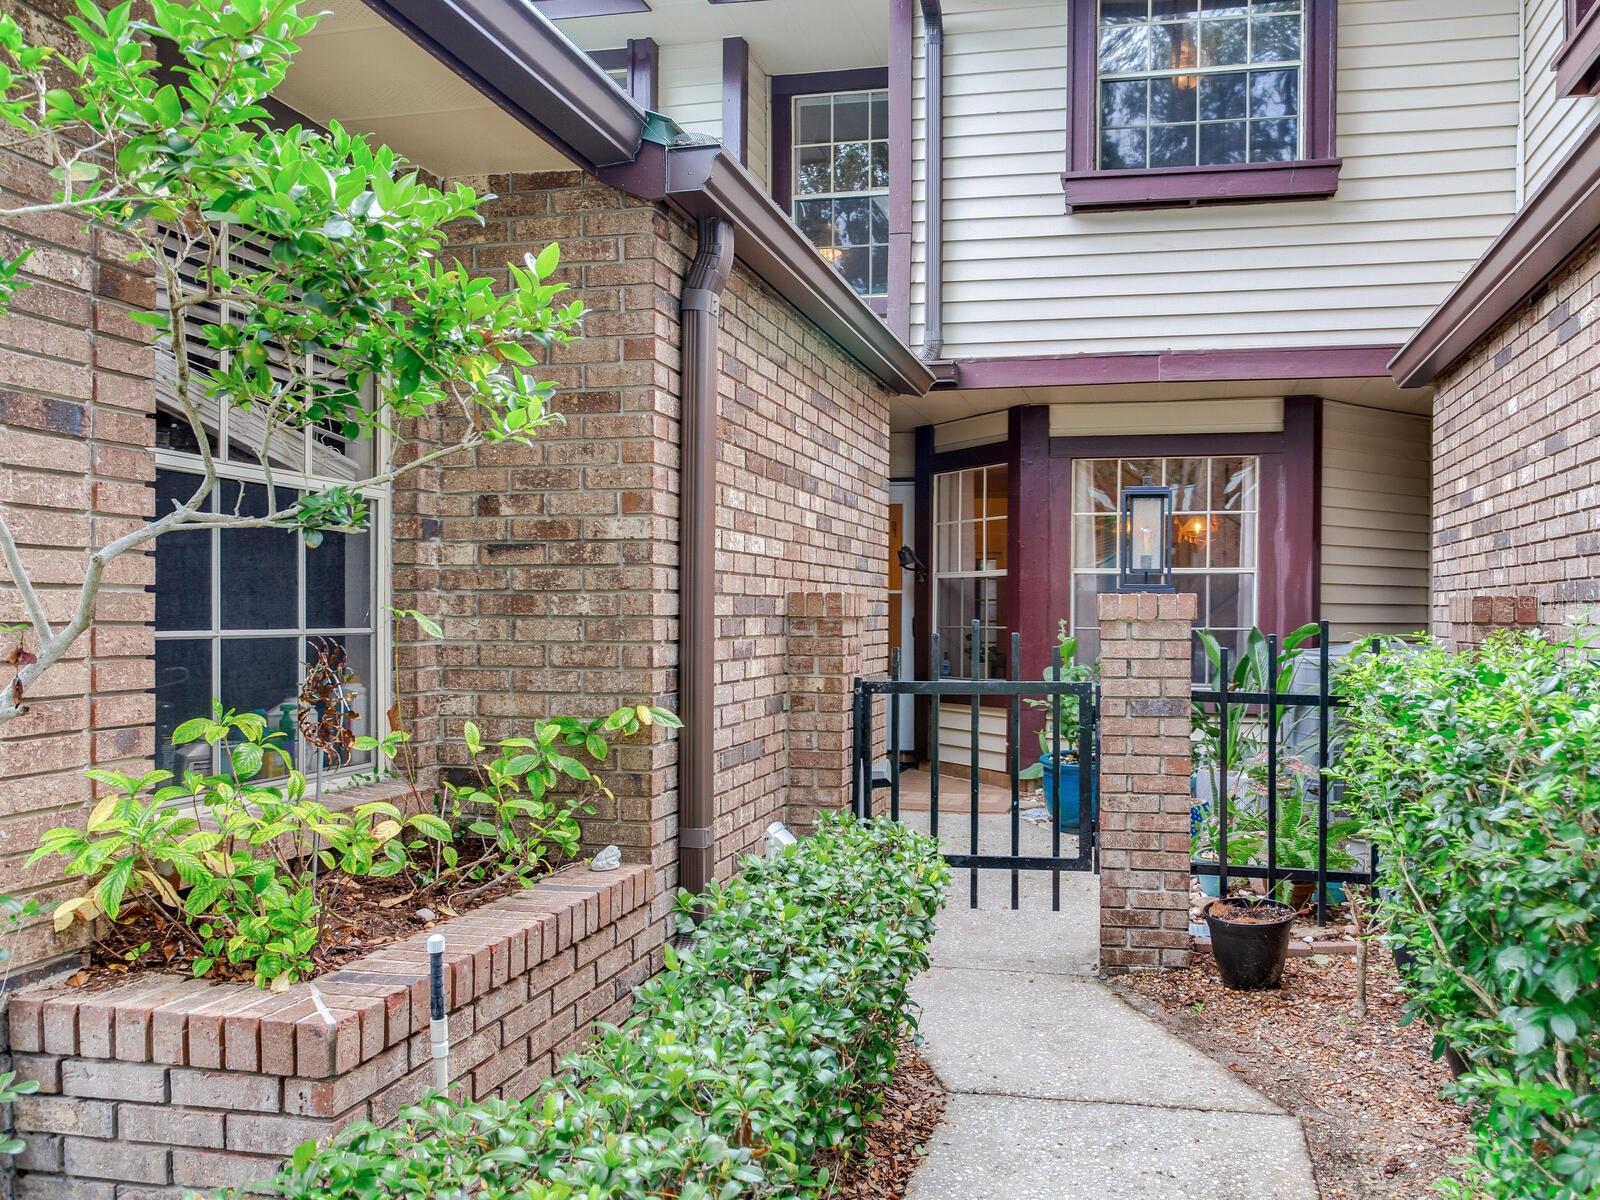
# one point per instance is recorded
(1516, 467)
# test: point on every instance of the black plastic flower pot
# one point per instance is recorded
(1249, 940)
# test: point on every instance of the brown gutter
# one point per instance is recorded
(702, 309)
(1558, 220)
(933, 121)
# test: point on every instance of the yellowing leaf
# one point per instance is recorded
(67, 910)
(102, 812)
(644, 715)
(385, 830)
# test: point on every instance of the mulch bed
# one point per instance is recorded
(913, 1108)
(1366, 1090)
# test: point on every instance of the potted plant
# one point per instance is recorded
(1249, 940)
(1062, 780)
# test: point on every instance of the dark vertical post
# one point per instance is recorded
(972, 837)
(1055, 779)
(1324, 712)
(1272, 766)
(894, 738)
(1014, 742)
(933, 744)
(1222, 777)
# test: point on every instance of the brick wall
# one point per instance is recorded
(76, 400)
(1145, 768)
(168, 1083)
(1517, 467)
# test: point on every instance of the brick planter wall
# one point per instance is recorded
(164, 1083)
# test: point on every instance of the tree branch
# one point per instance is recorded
(19, 575)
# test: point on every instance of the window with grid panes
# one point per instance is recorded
(970, 525)
(841, 182)
(239, 613)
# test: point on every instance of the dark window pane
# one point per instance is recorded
(854, 221)
(813, 170)
(183, 690)
(183, 562)
(260, 567)
(1172, 146)
(1274, 93)
(1122, 102)
(1222, 97)
(880, 115)
(262, 675)
(1172, 99)
(850, 119)
(880, 164)
(1190, 535)
(880, 220)
(339, 582)
(1274, 141)
(850, 167)
(1122, 149)
(175, 433)
(1124, 48)
(1169, 10)
(1223, 43)
(1224, 8)
(1233, 483)
(1222, 143)
(813, 119)
(357, 700)
(1276, 39)
(815, 218)
(856, 266)
(1121, 12)
(1172, 47)
(880, 270)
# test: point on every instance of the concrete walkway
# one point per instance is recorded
(1061, 1090)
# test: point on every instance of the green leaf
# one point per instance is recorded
(168, 107)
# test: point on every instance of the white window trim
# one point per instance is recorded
(959, 670)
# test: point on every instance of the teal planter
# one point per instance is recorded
(1065, 782)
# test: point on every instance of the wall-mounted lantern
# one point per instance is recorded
(1146, 559)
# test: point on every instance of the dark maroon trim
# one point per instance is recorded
(1287, 538)
(1301, 586)
(784, 89)
(922, 609)
(990, 454)
(644, 71)
(933, 154)
(1560, 218)
(1577, 62)
(1173, 366)
(736, 98)
(570, 10)
(1039, 589)
(1317, 175)
(901, 39)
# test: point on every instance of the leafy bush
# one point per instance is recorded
(244, 874)
(770, 1039)
(1479, 775)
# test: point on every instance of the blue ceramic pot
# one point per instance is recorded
(1062, 787)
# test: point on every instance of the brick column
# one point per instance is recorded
(1144, 780)
(826, 632)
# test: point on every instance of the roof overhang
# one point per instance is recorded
(514, 54)
(1562, 215)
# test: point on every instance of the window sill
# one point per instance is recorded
(1577, 64)
(1171, 187)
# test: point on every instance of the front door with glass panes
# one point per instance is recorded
(239, 613)
(970, 527)
(1214, 523)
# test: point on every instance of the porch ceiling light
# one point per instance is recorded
(1146, 533)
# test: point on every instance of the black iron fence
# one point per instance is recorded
(1264, 807)
(1059, 697)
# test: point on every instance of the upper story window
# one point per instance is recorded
(1200, 101)
(1185, 83)
(841, 182)
(1577, 61)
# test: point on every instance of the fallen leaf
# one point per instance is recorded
(77, 979)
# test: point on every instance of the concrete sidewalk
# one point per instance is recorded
(1061, 1090)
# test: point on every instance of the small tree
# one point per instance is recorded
(350, 301)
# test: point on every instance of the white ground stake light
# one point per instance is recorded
(438, 1019)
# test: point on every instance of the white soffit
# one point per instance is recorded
(1254, 415)
(361, 71)
(973, 431)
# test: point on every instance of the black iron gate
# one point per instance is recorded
(873, 775)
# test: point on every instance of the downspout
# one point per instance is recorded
(933, 121)
(697, 520)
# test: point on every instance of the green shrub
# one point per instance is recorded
(768, 1040)
(1479, 774)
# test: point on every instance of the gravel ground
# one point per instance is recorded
(913, 1107)
(1366, 1090)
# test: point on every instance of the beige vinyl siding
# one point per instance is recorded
(690, 90)
(1551, 123)
(1375, 514)
(955, 736)
(1121, 418)
(760, 141)
(1428, 104)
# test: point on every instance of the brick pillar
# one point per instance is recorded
(825, 634)
(1144, 780)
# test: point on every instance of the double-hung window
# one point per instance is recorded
(971, 525)
(1577, 59)
(1195, 101)
(840, 173)
(239, 613)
